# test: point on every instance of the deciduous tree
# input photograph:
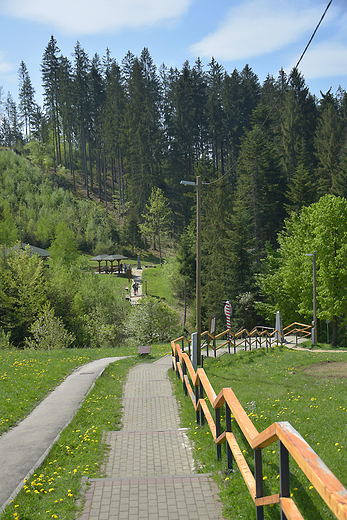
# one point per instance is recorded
(287, 285)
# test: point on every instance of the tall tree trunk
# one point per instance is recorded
(334, 331)
(105, 183)
(98, 167)
(112, 177)
(90, 165)
(72, 170)
(84, 160)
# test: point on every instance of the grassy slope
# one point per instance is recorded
(52, 491)
(282, 385)
(272, 387)
(27, 376)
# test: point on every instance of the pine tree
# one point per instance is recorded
(51, 86)
(215, 115)
(141, 131)
(26, 98)
(67, 111)
(82, 105)
(328, 142)
(298, 116)
(261, 183)
(302, 188)
(113, 122)
(97, 105)
(10, 128)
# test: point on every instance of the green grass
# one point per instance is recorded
(158, 285)
(27, 376)
(308, 390)
(54, 488)
(318, 346)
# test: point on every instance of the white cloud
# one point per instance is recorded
(256, 28)
(95, 17)
(5, 66)
(326, 59)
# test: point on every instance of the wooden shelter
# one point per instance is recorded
(106, 259)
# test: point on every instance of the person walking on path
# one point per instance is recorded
(150, 472)
(136, 288)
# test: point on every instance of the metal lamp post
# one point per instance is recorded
(198, 262)
(314, 323)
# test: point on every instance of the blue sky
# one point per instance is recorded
(266, 34)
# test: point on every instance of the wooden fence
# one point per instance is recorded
(256, 338)
(198, 387)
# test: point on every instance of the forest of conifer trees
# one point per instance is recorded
(263, 151)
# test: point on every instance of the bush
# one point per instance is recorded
(151, 321)
(48, 332)
(4, 339)
(101, 333)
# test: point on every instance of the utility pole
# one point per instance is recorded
(198, 266)
(198, 262)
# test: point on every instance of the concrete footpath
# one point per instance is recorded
(150, 471)
(24, 448)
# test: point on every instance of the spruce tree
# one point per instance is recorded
(26, 98)
(81, 96)
(328, 142)
(215, 114)
(51, 86)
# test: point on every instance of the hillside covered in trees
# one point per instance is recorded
(263, 151)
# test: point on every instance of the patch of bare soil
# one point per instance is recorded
(328, 369)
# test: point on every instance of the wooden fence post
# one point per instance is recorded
(228, 429)
(202, 397)
(284, 474)
(258, 470)
(196, 401)
(184, 370)
(219, 447)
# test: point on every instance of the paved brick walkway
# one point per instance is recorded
(150, 470)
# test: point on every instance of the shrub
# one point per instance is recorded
(151, 321)
(4, 339)
(48, 332)
(101, 333)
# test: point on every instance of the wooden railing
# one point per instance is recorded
(256, 338)
(197, 386)
(299, 330)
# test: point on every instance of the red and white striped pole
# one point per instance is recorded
(228, 312)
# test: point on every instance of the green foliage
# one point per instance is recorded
(157, 217)
(130, 133)
(98, 310)
(131, 231)
(321, 227)
(186, 259)
(151, 321)
(63, 249)
(8, 229)
(48, 332)
(43, 212)
(4, 339)
(22, 293)
(101, 332)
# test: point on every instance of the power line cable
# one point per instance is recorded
(274, 104)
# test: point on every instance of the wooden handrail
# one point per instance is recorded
(324, 481)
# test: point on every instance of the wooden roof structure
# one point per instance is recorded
(42, 253)
(106, 259)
